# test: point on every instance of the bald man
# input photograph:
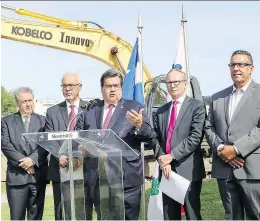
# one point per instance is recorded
(57, 119)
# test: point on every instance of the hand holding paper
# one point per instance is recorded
(176, 187)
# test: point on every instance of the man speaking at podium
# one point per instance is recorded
(127, 119)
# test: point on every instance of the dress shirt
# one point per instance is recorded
(76, 107)
(180, 100)
(105, 111)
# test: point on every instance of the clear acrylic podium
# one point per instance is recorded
(93, 178)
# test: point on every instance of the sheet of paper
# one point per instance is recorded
(175, 187)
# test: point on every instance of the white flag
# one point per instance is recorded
(155, 206)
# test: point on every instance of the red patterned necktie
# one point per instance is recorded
(171, 126)
(72, 118)
(108, 117)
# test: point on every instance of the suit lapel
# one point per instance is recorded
(247, 94)
(166, 118)
(99, 114)
(117, 112)
(226, 105)
(18, 120)
(32, 123)
(64, 113)
(182, 111)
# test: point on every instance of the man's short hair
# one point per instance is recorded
(111, 73)
(178, 70)
(243, 53)
(72, 73)
(22, 90)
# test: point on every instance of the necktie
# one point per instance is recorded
(26, 123)
(171, 126)
(72, 118)
(108, 117)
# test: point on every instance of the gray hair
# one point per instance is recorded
(22, 90)
(185, 77)
(75, 74)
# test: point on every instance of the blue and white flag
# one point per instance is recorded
(133, 82)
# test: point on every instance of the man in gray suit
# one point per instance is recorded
(233, 132)
(26, 164)
(179, 127)
(57, 119)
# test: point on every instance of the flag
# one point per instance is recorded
(180, 62)
(133, 82)
(155, 206)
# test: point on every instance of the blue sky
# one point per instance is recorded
(215, 29)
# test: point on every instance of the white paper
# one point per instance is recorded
(176, 187)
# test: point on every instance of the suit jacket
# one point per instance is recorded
(243, 131)
(57, 119)
(131, 163)
(186, 138)
(15, 147)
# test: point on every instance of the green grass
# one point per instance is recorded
(3, 189)
(211, 205)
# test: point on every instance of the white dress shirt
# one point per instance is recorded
(105, 111)
(76, 107)
(235, 97)
(180, 100)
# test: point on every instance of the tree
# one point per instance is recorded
(8, 104)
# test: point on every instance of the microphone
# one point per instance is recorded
(92, 103)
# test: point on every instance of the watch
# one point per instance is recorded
(136, 131)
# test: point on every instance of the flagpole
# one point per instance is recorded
(183, 24)
(140, 47)
(140, 52)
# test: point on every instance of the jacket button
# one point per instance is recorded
(229, 134)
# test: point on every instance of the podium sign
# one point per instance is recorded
(93, 177)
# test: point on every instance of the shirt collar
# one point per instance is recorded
(180, 99)
(106, 104)
(243, 88)
(76, 104)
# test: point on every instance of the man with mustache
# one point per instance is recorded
(57, 119)
(233, 132)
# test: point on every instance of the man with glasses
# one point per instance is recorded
(58, 118)
(233, 132)
(179, 127)
(27, 165)
(129, 121)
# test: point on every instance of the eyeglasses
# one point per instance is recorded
(240, 65)
(176, 83)
(25, 101)
(69, 86)
(110, 86)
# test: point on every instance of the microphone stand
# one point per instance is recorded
(89, 105)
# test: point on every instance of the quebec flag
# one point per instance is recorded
(155, 206)
(133, 82)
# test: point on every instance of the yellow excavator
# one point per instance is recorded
(90, 39)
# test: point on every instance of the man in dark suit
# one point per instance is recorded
(126, 119)
(26, 164)
(57, 119)
(233, 132)
(179, 127)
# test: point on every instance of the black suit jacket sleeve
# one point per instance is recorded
(156, 146)
(7, 147)
(189, 145)
(146, 132)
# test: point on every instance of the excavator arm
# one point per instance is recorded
(75, 37)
